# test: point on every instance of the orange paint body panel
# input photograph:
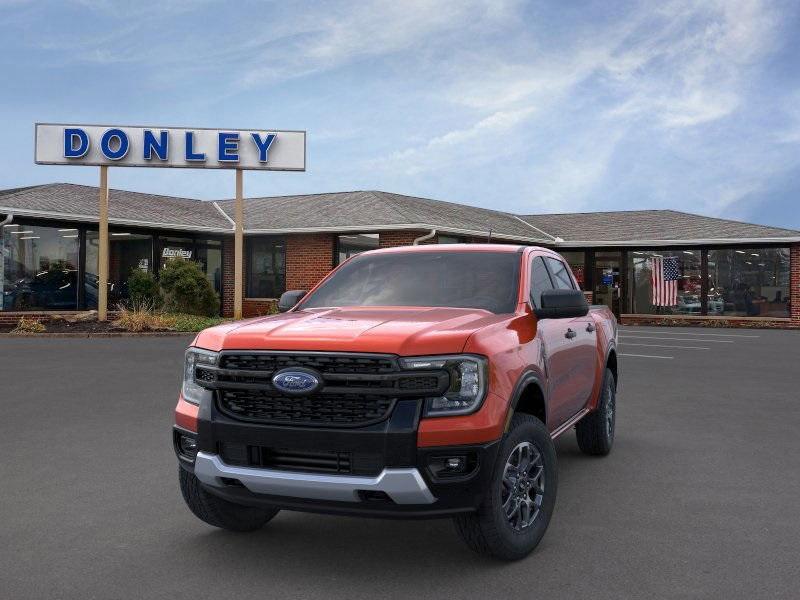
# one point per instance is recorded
(186, 415)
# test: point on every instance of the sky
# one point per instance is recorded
(528, 107)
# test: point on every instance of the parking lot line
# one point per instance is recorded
(655, 337)
(736, 335)
(646, 356)
(666, 346)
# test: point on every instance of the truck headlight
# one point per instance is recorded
(468, 377)
(192, 392)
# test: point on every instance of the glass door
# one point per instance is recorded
(608, 279)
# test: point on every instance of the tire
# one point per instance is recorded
(595, 431)
(218, 512)
(490, 531)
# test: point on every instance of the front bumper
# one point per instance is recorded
(401, 486)
(390, 476)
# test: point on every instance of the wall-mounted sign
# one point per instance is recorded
(189, 148)
(176, 253)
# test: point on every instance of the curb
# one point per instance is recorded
(99, 334)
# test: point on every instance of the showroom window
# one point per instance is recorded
(209, 255)
(577, 262)
(748, 282)
(350, 245)
(128, 252)
(39, 267)
(665, 282)
(448, 239)
(266, 267)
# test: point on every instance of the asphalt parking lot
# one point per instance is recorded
(699, 498)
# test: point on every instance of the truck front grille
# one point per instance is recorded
(324, 363)
(357, 389)
(288, 459)
(341, 410)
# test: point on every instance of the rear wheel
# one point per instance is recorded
(517, 508)
(596, 430)
(218, 512)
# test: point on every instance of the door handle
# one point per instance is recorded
(570, 334)
(590, 327)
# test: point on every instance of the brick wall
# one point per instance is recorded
(794, 283)
(309, 257)
(258, 308)
(227, 276)
(390, 239)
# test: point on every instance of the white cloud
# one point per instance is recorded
(466, 146)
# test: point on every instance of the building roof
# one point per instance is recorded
(365, 211)
(80, 203)
(374, 210)
(635, 227)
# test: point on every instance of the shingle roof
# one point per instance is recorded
(374, 210)
(364, 211)
(70, 201)
(650, 225)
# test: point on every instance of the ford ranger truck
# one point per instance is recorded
(424, 381)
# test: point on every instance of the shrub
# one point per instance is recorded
(141, 317)
(143, 289)
(28, 325)
(182, 322)
(186, 289)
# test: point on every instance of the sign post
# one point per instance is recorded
(176, 147)
(238, 244)
(103, 253)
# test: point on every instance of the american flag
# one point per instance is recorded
(664, 277)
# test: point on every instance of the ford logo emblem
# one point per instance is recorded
(296, 381)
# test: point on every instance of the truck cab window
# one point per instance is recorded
(540, 281)
(560, 273)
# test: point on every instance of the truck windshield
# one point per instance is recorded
(486, 280)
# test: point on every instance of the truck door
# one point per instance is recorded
(568, 345)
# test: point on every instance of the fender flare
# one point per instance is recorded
(612, 347)
(527, 378)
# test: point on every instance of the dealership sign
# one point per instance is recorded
(193, 148)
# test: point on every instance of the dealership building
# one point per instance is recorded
(725, 272)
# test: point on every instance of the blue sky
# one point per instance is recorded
(521, 106)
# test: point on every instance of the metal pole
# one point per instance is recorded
(238, 256)
(102, 256)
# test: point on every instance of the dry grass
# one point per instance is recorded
(141, 317)
(26, 325)
(144, 317)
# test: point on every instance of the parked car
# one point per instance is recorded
(51, 289)
(425, 381)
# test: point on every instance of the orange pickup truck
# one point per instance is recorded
(424, 381)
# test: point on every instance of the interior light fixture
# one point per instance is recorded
(21, 232)
(12, 225)
(118, 234)
(30, 237)
(68, 230)
(74, 235)
(741, 252)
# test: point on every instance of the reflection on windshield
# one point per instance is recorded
(486, 280)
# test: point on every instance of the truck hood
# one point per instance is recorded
(403, 331)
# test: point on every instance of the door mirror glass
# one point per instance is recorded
(289, 299)
(560, 304)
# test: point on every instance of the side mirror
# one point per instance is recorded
(560, 304)
(289, 299)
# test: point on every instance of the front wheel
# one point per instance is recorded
(218, 512)
(517, 508)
